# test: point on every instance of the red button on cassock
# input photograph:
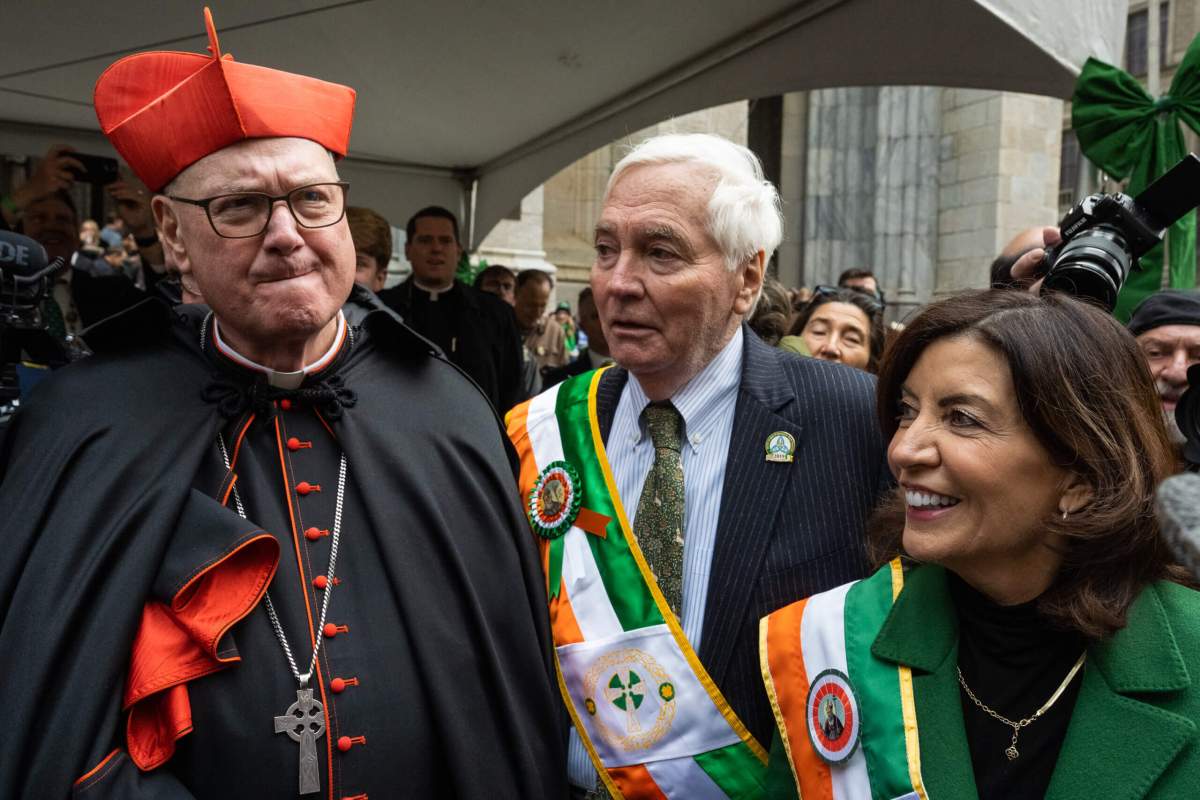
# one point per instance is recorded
(312, 534)
(344, 743)
(320, 581)
(293, 444)
(330, 629)
(285, 404)
(304, 487)
(338, 685)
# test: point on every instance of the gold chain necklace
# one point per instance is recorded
(1012, 751)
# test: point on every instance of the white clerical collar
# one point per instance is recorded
(283, 380)
(433, 293)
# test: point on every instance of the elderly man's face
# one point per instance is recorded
(1169, 351)
(667, 302)
(285, 284)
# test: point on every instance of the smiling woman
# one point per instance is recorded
(1019, 552)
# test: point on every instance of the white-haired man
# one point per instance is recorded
(252, 550)
(680, 496)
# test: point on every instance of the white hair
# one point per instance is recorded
(744, 214)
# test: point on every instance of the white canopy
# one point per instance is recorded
(472, 104)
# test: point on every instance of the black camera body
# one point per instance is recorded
(1105, 235)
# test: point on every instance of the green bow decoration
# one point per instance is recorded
(1128, 133)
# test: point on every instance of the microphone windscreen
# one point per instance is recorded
(20, 255)
(1178, 507)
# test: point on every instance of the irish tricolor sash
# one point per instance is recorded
(655, 724)
(847, 719)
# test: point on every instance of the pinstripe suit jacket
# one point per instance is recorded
(785, 531)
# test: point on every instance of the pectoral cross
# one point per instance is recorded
(304, 722)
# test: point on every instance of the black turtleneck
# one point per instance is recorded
(1013, 659)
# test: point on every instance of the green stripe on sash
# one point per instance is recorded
(627, 591)
(735, 769)
(877, 685)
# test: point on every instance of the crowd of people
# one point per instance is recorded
(287, 531)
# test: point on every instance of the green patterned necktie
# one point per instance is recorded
(659, 521)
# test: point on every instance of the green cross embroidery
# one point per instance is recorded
(626, 697)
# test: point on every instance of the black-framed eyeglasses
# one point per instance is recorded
(244, 215)
(874, 300)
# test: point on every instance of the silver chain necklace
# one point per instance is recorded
(304, 720)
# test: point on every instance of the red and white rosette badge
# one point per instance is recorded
(555, 499)
(833, 716)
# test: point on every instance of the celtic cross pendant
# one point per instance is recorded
(304, 722)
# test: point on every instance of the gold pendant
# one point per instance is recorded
(1012, 753)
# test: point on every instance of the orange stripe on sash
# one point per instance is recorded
(518, 432)
(788, 688)
(562, 617)
(636, 781)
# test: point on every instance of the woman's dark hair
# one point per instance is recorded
(1086, 393)
(771, 313)
(870, 307)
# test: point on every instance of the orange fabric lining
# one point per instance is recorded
(178, 643)
(96, 768)
(785, 659)
(635, 781)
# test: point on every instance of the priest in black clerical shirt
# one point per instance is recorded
(250, 549)
(476, 330)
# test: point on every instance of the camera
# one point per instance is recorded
(1105, 235)
(98, 170)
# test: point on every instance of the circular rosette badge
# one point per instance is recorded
(833, 716)
(555, 500)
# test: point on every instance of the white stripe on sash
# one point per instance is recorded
(684, 778)
(823, 644)
(580, 575)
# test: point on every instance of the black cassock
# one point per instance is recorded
(132, 631)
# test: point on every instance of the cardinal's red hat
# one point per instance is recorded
(163, 111)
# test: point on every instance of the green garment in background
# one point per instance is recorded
(794, 344)
(1127, 133)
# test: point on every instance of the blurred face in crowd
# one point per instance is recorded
(979, 485)
(867, 285)
(368, 272)
(531, 301)
(839, 332)
(89, 232)
(667, 302)
(51, 223)
(1169, 351)
(115, 257)
(272, 291)
(433, 252)
(501, 284)
(589, 323)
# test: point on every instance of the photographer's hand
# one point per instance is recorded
(1025, 271)
(53, 173)
(133, 205)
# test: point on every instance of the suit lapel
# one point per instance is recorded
(1112, 714)
(921, 632)
(750, 496)
(608, 394)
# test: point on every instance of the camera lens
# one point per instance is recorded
(1092, 266)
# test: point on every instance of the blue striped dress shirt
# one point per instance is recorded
(707, 404)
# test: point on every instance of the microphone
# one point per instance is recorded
(1178, 507)
(22, 260)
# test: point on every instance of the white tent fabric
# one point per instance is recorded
(472, 104)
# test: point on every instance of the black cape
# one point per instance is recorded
(98, 515)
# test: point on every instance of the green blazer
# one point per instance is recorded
(1133, 732)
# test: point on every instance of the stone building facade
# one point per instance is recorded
(923, 185)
